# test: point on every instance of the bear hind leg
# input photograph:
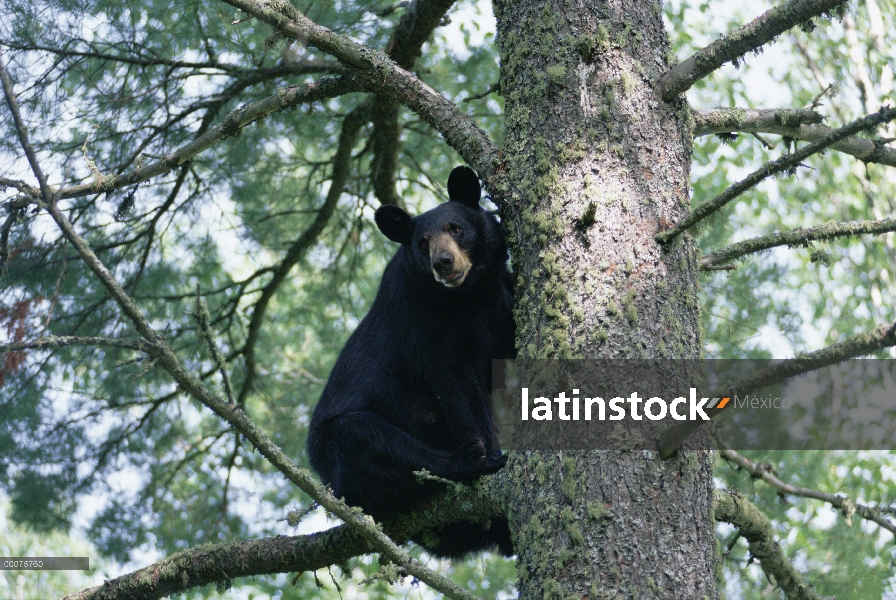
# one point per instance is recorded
(370, 463)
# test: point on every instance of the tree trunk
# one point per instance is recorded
(597, 163)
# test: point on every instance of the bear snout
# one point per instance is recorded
(448, 261)
(443, 264)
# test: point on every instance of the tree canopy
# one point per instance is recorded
(189, 242)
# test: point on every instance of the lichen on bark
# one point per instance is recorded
(597, 162)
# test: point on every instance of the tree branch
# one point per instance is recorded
(749, 120)
(150, 230)
(294, 68)
(377, 73)
(797, 124)
(73, 340)
(735, 44)
(841, 502)
(203, 566)
(732, 507)
(770, 168)
(292, 23)
(386, 138)
(326, 87)
(351, 126)
(22, 132)
(143, 62)
(165, 356)
(795, 238)
(15, 213)
(296, 554)
(212, 106)
(416, 25)
(203, 318)
(16, 184)
(858, 345)
(459, 131)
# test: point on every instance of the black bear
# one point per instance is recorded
(411, 389)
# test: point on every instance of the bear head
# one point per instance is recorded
(454, 243)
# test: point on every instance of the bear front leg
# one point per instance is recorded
(464, 406)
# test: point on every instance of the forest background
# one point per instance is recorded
(101, 452)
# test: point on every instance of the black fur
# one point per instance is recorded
(411, 389)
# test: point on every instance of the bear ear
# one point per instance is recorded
(463, 187)
(395, 224)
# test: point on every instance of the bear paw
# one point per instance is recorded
(472, 461)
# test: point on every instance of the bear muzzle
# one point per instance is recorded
(450, 264)
(446, 274)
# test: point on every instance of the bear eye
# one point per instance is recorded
(423, 244)
(455, 229)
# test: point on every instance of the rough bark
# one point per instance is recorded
(597, 163)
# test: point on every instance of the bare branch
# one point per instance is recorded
(23, 132)
(143, 62)
(205, 328)
(734, 45)
(351, 126)
(748, 120)
(289, 21)
(795, 124)
(416, 25)
(73, 340)
(198, 567)
(459, 131)
(858, 345)
(816, 101)
(385, 138)
(149, 231)
(495, 87)
(768, 145)
(841, 502)
(795, 238)
(15, 213)
(819, 77)
(732, 507)
(768, 169)
(19, 185)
